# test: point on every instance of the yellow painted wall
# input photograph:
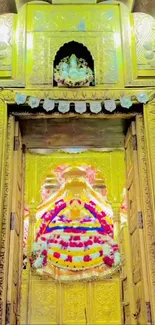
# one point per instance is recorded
(110, 163)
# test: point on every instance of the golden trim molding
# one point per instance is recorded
(149, 233)
(6, 206)
(3, 134)
(86, 94)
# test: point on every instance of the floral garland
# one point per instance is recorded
(42, 245)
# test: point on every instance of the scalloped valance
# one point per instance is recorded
(80, 107)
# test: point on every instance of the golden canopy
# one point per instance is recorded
(148, 7)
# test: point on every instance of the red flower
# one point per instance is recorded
(76, 238)
(115, 247)
(108, 261)
(96, 240)
(43, 238)
(69, 258)
(44, 252)
(88, 243)
(87, 258)
(80, 244)
(101, 253)
(72, 244)
(103, 214)
(56, 255)
(31, 260)
(45, 260)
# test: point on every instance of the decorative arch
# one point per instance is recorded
(77, 48)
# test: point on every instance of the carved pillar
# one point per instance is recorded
(146, 143)
(6, 215)
(3, 137)
(149, 123)
(3, 129)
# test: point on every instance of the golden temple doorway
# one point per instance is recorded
(122, 297)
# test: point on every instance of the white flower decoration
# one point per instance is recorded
(95, 107)
(48, 105)
(110, 105)
(142, 98)
(33, 102)
(126, 102)
(20, 99)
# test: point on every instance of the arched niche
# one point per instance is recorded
(81, 51)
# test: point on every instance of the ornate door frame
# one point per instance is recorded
(146, 169)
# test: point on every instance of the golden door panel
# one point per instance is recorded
(129, 162)
(140, 302)
(136, 258)
(138, 273)
(16, 238)
(106, 302)
(75, 303)
(24, 301)
(126, 315)
(132, 208)
(43, 301)
(47, 302)
(125, 285)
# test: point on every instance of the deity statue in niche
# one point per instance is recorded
(73, 72)
(74, 231)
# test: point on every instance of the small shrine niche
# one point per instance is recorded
(73, 66)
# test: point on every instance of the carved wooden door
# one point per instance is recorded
(16, 231)
(75, 303)
(135, 293)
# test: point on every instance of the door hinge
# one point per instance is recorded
(134, 142)
(8, 313)
(12, 221)
(16, 143)
(140, 220)
(148, 312)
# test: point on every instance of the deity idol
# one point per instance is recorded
(74, 232)
(73, 71)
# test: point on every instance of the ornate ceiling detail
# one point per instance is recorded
(145, 6)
